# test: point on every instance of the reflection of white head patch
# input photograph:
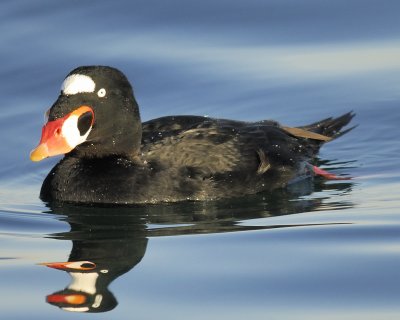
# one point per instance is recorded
(77, 83)
(84, 282)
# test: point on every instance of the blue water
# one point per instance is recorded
(320, 250)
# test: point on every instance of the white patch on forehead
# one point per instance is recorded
(77, 83)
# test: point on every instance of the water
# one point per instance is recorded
(319, 250)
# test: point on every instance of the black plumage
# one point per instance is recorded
(174, 158)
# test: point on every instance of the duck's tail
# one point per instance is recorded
(324, 130)
(328, 129)
(331, 127)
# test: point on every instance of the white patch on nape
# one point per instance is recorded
(97, 301)
(84, 282)
(71, 132)
(77, 83)
(46, 116)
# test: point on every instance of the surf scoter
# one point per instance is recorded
(111, 157)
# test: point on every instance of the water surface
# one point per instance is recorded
(321, 249)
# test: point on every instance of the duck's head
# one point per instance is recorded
(95, 115)
(88, 290)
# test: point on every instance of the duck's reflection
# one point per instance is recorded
(108, 242)
(88, 290)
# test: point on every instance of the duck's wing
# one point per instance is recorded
(206, 144)
(156, 129)
(225, 150)
(218, 145)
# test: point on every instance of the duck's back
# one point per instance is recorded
(229, 157)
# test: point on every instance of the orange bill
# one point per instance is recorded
(58, 135)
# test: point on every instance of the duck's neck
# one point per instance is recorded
(110, 179)
(119, 134)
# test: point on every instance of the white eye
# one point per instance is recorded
(101, 93)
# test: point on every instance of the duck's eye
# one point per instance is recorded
(101, 93)
(85, 122)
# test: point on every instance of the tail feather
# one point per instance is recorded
(331, 127)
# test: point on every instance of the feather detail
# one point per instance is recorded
(301, 133)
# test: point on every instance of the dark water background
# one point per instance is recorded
(323, 250)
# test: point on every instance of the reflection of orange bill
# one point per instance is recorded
(74, 265)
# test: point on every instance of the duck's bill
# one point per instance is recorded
(62, 135)
(52, 142)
